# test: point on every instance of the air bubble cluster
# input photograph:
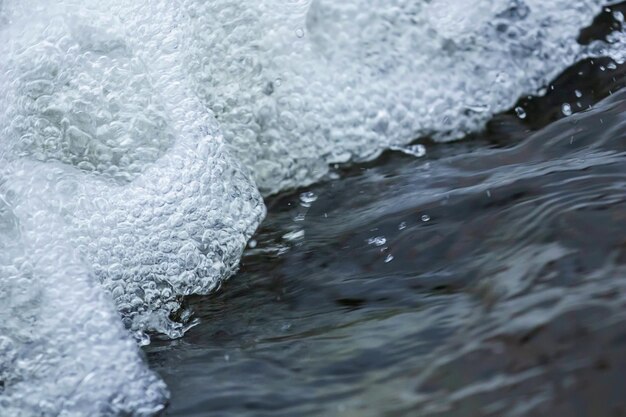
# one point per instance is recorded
(125, 195)
(63, 350)
(368, 74)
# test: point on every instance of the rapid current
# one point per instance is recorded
(139, 139)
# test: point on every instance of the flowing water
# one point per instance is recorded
(396, 272)
(486, 278)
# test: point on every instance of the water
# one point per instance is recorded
(137, 142)
(485, 278)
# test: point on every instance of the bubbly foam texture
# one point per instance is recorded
(136, 139)
(132, 160)
(298, 85)
(63, 350)
(128, 184)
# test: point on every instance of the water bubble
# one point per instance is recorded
(142, 338)
(578, 93)
(425, 218)
(389, 258)
(300, 32)
(307, 198)
(501, 77)
(566, 109)
(252, 244)
(402, 226)
(521, 113)
(377, 241)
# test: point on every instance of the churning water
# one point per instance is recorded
(472, 278)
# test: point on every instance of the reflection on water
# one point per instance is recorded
(487, 278)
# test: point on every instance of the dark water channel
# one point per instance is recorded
(486, 278)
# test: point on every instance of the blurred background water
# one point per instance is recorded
(485, 277)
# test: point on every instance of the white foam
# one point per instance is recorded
(63, 350)
(114, 172)
(299, 85)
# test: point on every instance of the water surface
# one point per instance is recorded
(486, 278)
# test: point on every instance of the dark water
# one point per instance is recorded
(487, 278)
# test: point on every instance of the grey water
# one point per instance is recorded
(484, 278)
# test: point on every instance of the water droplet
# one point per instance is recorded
(520, 112)
(377, 241)
(566, 109)
(389, 258)
(578, 93)
(307, 198)
(300, 32)
(425, 218)
(252, 244)
(402, 226)
(414, 150)
(142, 338)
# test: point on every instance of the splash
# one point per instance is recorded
(136, 141)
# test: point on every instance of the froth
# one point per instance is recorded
(332, 82)
(63, 350)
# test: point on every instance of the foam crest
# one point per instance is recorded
(332, 82)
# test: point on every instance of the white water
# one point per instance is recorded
(136, 140)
